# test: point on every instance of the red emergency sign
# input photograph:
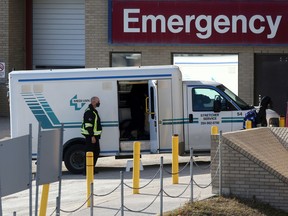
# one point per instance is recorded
(201, 22)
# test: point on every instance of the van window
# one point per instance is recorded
(235, 98)
(203, 100)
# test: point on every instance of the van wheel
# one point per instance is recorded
(74, 159)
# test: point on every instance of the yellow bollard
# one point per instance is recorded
(214, 130)
(44, 200)
(89, 174)
(175, 163)
(248, 124)
(282, 121)
(136, 167)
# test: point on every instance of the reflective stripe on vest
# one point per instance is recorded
(86, 125)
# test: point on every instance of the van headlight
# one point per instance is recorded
(273, 122)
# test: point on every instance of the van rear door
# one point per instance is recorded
(153, 116)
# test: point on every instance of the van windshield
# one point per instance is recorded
(243, 105)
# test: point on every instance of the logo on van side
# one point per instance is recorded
(41, 110)
(78, 103)
(44, 113)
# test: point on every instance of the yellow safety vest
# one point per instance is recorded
(87, 125)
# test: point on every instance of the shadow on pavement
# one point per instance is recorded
(149, 171)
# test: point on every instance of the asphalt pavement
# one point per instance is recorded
(107, 187)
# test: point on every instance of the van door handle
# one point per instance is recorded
(190, 118)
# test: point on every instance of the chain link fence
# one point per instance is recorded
(160, 192)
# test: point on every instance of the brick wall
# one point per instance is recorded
(16, 35)
(12, 40)
(282, 134)
(4, 33)
(242, 177)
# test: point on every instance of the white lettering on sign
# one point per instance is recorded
(204, 24)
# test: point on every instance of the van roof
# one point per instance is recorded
(101, 69)
(115, 73)
(201, 82)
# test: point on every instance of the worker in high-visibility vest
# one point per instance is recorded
(92, 129)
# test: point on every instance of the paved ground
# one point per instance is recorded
(73, 190)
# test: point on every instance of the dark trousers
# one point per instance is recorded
(92, 147)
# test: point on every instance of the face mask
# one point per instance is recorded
(98, 104)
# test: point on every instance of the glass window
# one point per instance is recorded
(203, 100)
(243, 105)
(125, 59)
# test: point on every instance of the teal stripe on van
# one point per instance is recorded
(173, 121)
(231, 119)
(179, 121)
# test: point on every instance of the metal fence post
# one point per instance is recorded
(57, 206)
(0, 200)
(60, 170)
(191, 174)
(220, 163)
(91, 198)
(37, 170)
(122, 193)
(30, 168)
(161, 186)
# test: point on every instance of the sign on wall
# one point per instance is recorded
(201, 22)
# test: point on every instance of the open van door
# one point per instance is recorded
(152, 111)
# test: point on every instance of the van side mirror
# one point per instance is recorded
(217, 106)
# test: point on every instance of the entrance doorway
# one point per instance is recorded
(271, 75)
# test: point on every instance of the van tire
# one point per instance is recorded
(74, 158)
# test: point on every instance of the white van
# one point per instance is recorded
(148, 104)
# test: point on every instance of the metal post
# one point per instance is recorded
(57, 206)
(0, 198)
(175, 163)
(38, 170)
(248, 124)
(214, 130)
(60, 170)
(44, 200)
(220, 163)
(122, 193)
(136, 167)
(30, 169)
(91, 199)
(89, 175)
(191, 174)
(161, 186)
(286, 115)
(282, 121)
